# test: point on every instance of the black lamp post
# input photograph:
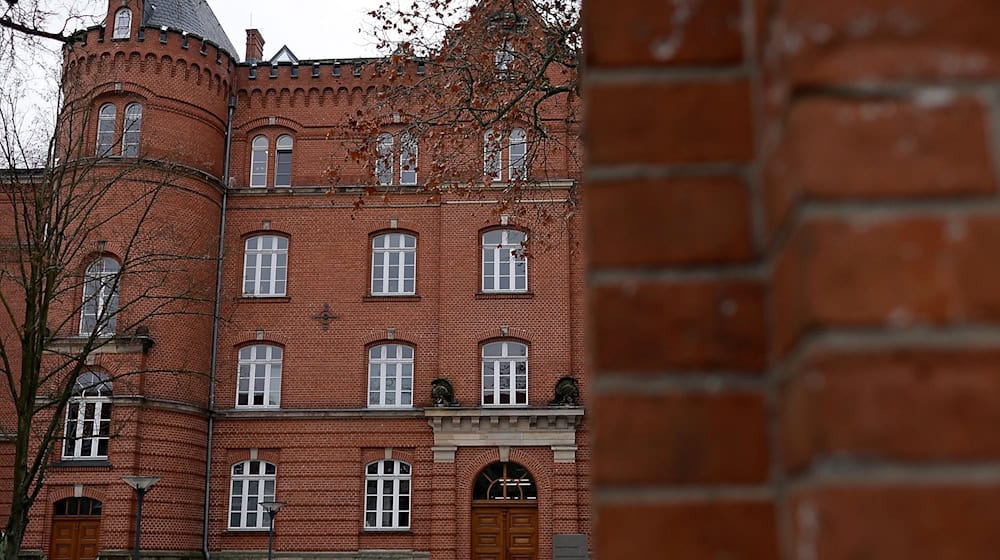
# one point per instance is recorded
(272, 509)
(141, 485)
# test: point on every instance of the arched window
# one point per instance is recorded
(390, 376)
(504, 481)
(265, 266)
(394, 264)
(251, 483)
(130, 133)
(387, 495)
(88, 418)
(383, 160)
(505, 373)
(100, 297)
(518, 152)
(123, 24)
(258, 162)
(492, 156)
(283, 161)
(407, 159)
(505, 266)
(258, 377)
(502, 58)
(106, 129)
(76, 507)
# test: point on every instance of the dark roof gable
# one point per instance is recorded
(193, 16)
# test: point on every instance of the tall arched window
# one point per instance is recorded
(130, 132)
(106, 129)
(251, 483)
(258, 377)
(390, 376)
(505, 266)
(407, 159)
(100, 297)
(518, 152)
(265, 266)
(505, 373)
(394, 264)
(383, 160)
(283, 161)
(387, 495)
(123, 24)
(88, 418)
(492, 156)
(258, 162)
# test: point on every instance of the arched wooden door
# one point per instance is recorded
(76, 529)
(504, 514)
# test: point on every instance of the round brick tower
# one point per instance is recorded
(146, 99)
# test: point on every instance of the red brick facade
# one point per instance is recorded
(324, 433)
(804, 343)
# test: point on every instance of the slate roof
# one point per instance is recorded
(193, 16)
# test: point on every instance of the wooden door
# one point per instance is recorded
(75, 538)
(504, 533)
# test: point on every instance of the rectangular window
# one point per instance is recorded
(265, 266)
(394, 265)
(505, 266)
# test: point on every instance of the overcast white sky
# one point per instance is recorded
(311, 28)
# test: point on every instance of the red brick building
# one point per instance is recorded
(313, 385)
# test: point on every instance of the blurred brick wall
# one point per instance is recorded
(794, 295)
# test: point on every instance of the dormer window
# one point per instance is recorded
(123, 24)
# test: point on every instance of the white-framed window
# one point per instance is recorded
(265, 266)
(505, 373)
(258, 162)
(258, 376)
(100, 297)
(88, 418)
(390, 376)
(283, 161)
(387, 495)
(394, 264)
(131, 130)
(123, 24)
(408, 152)
(505, 266)
(502, 58)
(492, 156)
(251, 483)
(518, 153)
(106, 129)
(383, 159)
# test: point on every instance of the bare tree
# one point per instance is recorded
(488, 90)
(84, 267)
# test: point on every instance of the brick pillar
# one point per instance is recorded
(445, 494)
(794, 301)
